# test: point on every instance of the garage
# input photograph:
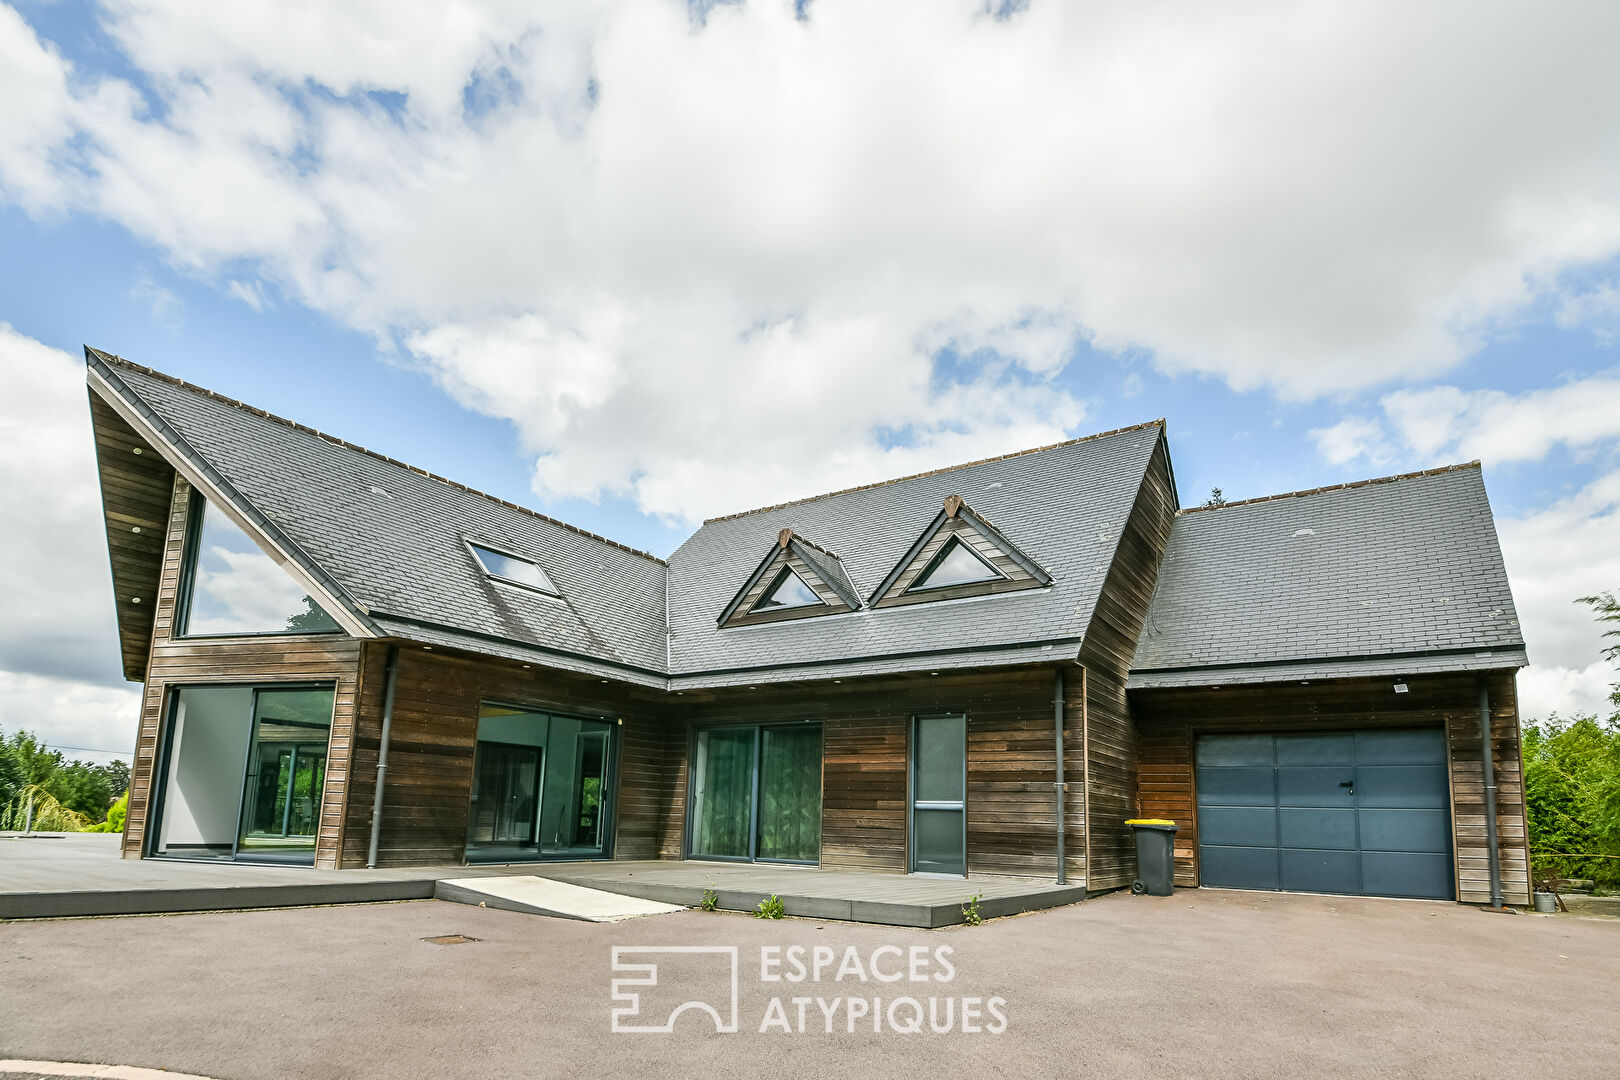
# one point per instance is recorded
(1361, 813)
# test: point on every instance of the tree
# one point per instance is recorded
(1217, 497)
(1608, 611)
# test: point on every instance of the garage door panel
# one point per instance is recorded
(1317, 828)
(1405, 830)
(1316, 749)
(1416, 786)
(1425, 747)
(1426, 876)
(1312, 785)
(1241, 826)
(1236, 750)
(1237, 786)
(1239, 868)
(1359, 812)
(1320, 871)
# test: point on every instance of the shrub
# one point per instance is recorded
(770, 908)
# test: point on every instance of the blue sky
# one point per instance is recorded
(634, 268)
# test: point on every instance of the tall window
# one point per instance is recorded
(232, 587)
(756, 793)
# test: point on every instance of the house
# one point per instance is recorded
(349, 662)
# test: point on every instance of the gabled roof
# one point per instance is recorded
(816, 569)
(381, 545)
(1064, 506)
(1381, 577)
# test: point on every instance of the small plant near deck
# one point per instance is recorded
(770, 908)
(711, 900)
(970, 910)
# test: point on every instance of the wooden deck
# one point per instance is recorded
(82, 874)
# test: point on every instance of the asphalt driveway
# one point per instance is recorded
(1198, 984)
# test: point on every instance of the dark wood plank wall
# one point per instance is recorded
(268, 659)
(1011, 752)
(137, 489)
(1171, 720)
(434, 732)
(1106, 653)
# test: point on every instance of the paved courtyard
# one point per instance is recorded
(1198, 984)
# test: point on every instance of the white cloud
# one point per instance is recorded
(642, 232)
(1554, 555)
(71, 713)
(57, 588)
(1446, 423)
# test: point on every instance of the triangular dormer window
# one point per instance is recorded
(795, 580)
(959, 554)
(956, 564)
(787, 591)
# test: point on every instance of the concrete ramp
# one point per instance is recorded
(542, 896)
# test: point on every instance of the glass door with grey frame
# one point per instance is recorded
(939, 795)
(756, 793)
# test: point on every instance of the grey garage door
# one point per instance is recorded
(1362, 812)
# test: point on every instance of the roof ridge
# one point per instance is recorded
(1459, 467)
(812, 544)
(935, 472)
(119, 361)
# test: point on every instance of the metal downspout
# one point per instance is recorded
(1487, 761)
(1057, 725)
(382, 756)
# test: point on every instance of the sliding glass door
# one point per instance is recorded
(540, 788)
(244, 773)
(756, 793)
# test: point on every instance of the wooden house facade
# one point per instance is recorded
(984, 670)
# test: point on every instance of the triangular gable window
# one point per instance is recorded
(959, 554)
(795, 580)
(956, 564)
(788, 591)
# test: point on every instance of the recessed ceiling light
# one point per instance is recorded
(1400, 688)
(134, 599)
(134, 449)
(134, 528)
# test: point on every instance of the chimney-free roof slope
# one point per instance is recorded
(1390, 576)
(1064, 506)
(390, 537)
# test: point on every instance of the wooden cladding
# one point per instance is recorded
(258, 660)
(434, 735)
(1011, 804)
(1171, 720)
(137, 486)
(1111, 754)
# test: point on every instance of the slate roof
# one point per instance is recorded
(1064, 505)
(1384, 577)
(1388, 576)
(391, 537)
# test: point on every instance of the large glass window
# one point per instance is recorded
(540, 786)
(235, 588)
(787, 591)
(245, 771)
(511, 568)
(756, 793)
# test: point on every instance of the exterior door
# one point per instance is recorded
(1363, 813)
(938, 795)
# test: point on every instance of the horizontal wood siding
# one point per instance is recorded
(1011, 757)
(267, 659)
(1112, 753)
(1171, 720)
(432, 742)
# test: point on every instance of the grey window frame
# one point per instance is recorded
(472, 545)
(912, 802)
(758, 727)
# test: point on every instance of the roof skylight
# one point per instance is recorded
(519, 571)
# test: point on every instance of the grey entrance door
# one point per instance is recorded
(1362, 812)
(938, 795)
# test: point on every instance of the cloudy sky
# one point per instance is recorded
(637, 263)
